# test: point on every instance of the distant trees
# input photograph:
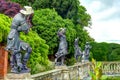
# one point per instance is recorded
(105, 51)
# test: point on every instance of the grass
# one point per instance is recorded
(104, 77)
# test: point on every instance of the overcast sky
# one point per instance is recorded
(105, 19)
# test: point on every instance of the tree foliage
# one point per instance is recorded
(105, 51)
(70, 9)
(39, 54)
(9, 8)
(4, 27)
(47, 22)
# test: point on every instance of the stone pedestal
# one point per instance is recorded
(22, 76)
(84, 61)
(3, 62)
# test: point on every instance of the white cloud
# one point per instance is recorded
(105, 19)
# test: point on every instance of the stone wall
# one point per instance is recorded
(75, 72)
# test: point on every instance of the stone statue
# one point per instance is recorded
(62, 50)
(86, 52)
(15, 46)
(78, 52)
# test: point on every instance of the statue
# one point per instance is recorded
(15, 46)
(62, 50)
(78, 52)
(86, 52)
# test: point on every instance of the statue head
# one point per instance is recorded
(76, 41)
(87, 43)
(27, 10)
(61, 31)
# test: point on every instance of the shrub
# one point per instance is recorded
(9, 8)
(47, 22)
(4, 27)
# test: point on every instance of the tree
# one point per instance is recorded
(115, 55)
(70, 9)
(100, 51)
(47, 22)
(9, 8)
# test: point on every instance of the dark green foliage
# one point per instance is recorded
(115, 55)
(105, 51)
(47, 22)
(65, 8)
(100, 51)
(9, 8)
(24, 2)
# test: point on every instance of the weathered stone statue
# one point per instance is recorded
(86, 52)
(14, 45)
(78, 52)
(62, 50)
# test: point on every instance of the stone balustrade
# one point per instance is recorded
(110, 68)
(48, 75)
(77, 71)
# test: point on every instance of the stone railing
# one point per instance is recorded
(48, 75)
(79, 71)
(75, 72)
(110, 68)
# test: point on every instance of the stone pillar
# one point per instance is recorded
(3, 62)
(65, 72)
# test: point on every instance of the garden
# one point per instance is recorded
(49, 16)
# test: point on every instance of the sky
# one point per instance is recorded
(105, 16)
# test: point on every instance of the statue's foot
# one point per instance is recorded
(14, 71)
(25, 70)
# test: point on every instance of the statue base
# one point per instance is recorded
(22, 76)
(83, 61)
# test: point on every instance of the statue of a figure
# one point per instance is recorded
(15, 46)
(62, 50)
(86, 52)
(78, 52)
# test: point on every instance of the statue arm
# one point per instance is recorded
(24, 27)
